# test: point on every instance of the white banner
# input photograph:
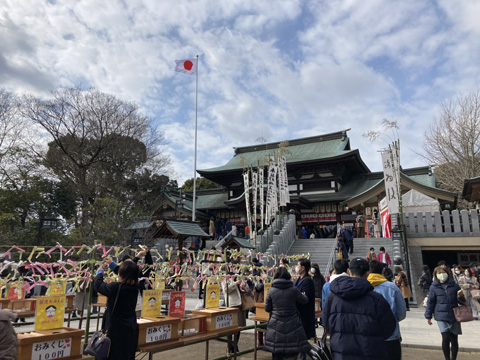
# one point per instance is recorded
(255, 192)
(391, 177)
(246, 184)
(281, 182)
(271, 192)
(260, 184)
(285, 180)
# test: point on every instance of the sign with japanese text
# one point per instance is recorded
(53, 349)
(166, 295)
(213, 296)
(177, 303)
(57, 287)
(391, 178)
(15, 291)
(158, 333)
(223, 321)
(266, 287)
(50, 312)
(151, 304)
(327, 217)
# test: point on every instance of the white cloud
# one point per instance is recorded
(273, 69)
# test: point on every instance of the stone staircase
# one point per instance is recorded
(320, 249)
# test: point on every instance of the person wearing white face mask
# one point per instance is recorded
(468, 283)
(443, 297)
(457, 272)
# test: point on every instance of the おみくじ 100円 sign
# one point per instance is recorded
(223, 321)
(158, 333)
(54, 349)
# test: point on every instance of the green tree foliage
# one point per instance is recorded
(202, 183)
(99, 142)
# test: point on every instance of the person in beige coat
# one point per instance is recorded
(232, 290)
(8, 336)
(401, 280)
(467, 283)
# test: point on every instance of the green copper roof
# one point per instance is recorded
(140, 225)
(211, 201)
(184, 228)
(241, 242)
(296, 151)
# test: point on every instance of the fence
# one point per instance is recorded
(278, 239)
(443, 224)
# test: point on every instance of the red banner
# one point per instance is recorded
(329, 217)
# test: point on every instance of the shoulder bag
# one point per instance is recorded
(475, 294)
(247, 301)
(99, 343)
(463, 313)
(321, 351)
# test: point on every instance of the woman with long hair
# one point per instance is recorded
(120, 320)
(467, 283)
(443, 297)
(285, 337)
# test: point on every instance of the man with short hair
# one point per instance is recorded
(358, 318)
(340, 268)
(306, 286)
(394, 297)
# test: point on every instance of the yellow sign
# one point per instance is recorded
(50, 312)
(159, 284)
(266, 287)
(213, 296)
(57, 287)
(151, 303)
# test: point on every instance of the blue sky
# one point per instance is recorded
(273, 69)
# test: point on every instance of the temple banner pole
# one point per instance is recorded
(195, 157)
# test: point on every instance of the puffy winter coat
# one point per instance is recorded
(359, 319)
(285, 333)
(442, 301)
(8, 336)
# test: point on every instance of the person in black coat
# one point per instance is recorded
(358, 318)
(285, 336)
(306, 286)
(341, 246)
(443, 297)
(318, 280)
(425, 280)
(121, 324)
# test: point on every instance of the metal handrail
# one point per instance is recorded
(332, 255)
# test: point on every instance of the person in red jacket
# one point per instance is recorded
(384, 258)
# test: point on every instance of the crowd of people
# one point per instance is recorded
(362, 303)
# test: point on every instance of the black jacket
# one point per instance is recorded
(359, 320)
(319, 281)
(441, 302)
(285, 333)
(307, 311)
(425, 280)
(122, 329)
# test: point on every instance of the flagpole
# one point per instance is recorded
(195, 157)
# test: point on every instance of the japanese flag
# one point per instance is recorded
(186, 66)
